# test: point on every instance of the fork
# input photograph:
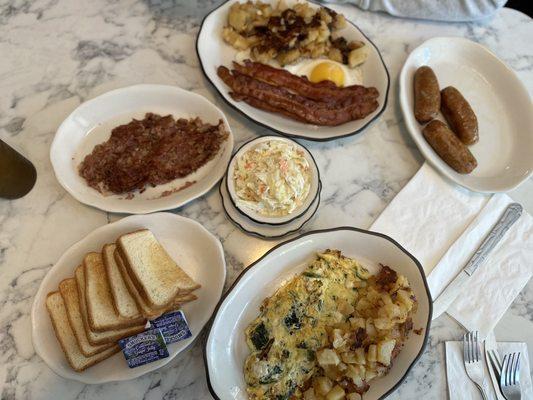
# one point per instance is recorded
(473, 364)
(510, 376)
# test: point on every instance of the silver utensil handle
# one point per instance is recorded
(509, 217)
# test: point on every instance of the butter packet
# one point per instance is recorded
(173, 326)
(144, 348)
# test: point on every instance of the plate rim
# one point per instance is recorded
(406, 113)
(79, 243)
(144, 207)
(302, 212)
(313, 232)
(274, 237)
(288, 134)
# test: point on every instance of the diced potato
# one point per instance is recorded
(337, 393)
(370, 327)
(353, 396)
(322, 385)
(383, 323)
(349, 357)
(358, 56)
(385, 297)
(384, 351)
(357, 322)
(344, 307)
(370, 374)
(327, 357)
(371, 355)
(337, 338)
(234, 39)
(332, 372)
(342, 367)
(404, 298)
(360, 355)
(309, 394)
(393, 310)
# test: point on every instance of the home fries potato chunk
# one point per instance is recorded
(328, 331)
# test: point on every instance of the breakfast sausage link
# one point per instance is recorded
(459, 115)
(427, 95)
(449, 147)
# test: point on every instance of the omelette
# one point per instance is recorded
(295, 325)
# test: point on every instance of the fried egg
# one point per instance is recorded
(322, 69)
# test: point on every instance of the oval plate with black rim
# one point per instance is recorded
(226, 349)
(315, 184)
(213, 52)
(265, 231)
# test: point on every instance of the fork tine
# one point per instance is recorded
(465, 345)
(496, 356)
(471, 343)
(510, 368)
(477, 345)
(517, 369)
(503, 378)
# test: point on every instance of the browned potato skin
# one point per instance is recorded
(449, 147)
(427, 94)
(459, 115)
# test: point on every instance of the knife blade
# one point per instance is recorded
(450, 293)
(490, 344)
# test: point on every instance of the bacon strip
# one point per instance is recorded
(279, 99)
(321, 91)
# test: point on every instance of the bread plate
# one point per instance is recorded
(196, 250)
(91, 123)
(213, 52)
(226, 349)
(499, 99)
(256, 216)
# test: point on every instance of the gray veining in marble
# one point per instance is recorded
(55, 54)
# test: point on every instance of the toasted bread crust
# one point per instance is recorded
(119, 322)
(65, 288)
(89, 361)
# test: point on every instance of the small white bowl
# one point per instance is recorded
(254, 215)
(500, 100)
(226, 348)
(91, 123)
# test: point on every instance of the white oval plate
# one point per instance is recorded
(226, 348)
(254, 215)
(213, 52)
(91, 123)
(500, 101)
(265, 231)
(196, 250)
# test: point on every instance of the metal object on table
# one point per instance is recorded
(494, 364)
(450, 293)
(17, 174)
(472, 360)
(510, 376)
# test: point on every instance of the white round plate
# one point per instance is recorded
(226, 348)
(265, 231)
(254, 215)
(213, 52)
(196, 250)
(500, 101)
(91, 123)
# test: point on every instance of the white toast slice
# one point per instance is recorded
(96, 338)
(156, 276)
(100, 306)
(124, 302)
(65, 335)
(69, 293)
(146, 310)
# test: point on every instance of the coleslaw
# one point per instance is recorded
(273, 178)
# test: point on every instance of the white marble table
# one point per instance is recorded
(55, 54)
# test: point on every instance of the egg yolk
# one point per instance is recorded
(327, 71)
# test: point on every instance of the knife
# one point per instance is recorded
(450, 293)
(490, 344)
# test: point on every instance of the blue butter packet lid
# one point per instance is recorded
(144, 348)
(173, 326)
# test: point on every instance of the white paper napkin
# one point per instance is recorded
(460, 387)
(442, 225)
